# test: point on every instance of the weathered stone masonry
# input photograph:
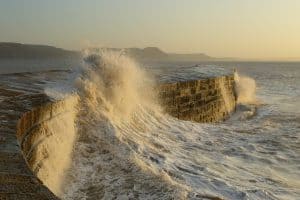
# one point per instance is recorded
(32, 129)
(22, 106)
(206, 100)
(17, 180)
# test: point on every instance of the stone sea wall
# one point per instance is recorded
(206, 100)
(17, 180)
(46, 135)
(35, 130)
(30, 123)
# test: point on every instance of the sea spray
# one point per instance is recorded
(245, 89)
(247, 103)
(116, 103)
(143, 154)
(126, 145)
(115, 82)
(224, 92)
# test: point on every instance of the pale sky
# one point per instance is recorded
(222, 28)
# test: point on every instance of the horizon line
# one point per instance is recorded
(226, 59)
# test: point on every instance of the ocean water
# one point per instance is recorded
(128, 148)
(8, 66)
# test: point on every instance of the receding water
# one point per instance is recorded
(127, 148)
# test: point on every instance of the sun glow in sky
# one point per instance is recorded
(221, 28)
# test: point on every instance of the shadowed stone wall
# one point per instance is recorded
(206, 100)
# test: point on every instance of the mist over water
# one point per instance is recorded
(127, 148)
(245, 89)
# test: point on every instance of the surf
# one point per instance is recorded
(127, 147)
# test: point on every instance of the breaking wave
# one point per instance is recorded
(245, 89)
(117, 102)
(127, 148)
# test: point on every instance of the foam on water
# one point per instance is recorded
(128, 149)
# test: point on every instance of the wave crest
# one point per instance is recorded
(245, 89)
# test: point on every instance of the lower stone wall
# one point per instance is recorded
(46, 135)
(206, 100)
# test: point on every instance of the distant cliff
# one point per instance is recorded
(148, 53)
(154, 53)
(26, 51)
(10, 50)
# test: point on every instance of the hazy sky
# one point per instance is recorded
(222, 28)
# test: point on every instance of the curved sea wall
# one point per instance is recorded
(46, 129)
(46, 135)
(17, 180)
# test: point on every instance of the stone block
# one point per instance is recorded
(183, 85)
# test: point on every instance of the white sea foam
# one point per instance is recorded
(245, 88)
(115, 94)
(128, 149)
